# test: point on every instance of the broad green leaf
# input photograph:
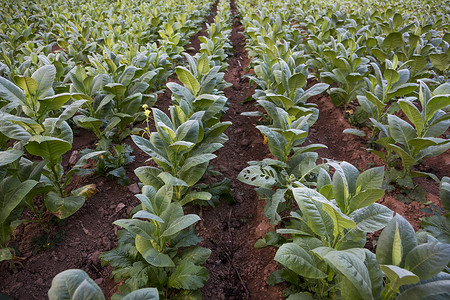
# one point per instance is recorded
(444, 192)
(371, 178)
(180, 224)
(350, 266)
(197, 255)
(137, 227)
(398, 276)
(393, 40)
(258, 176)
(431, 290)
(74, 284)
(341, 221)
(9, 156)
(13, 196)
(372, 218)
(50, 103)
(142, 214)
(47, 147)
(412, 113)
(440, 61)
(10, 92)
(188, 80)
(63, 207)
(143, 294)
(317, 219)
(400, 130)
(188, 276)
(295, 258)
(365, 198)
(386, 241)
(354, 131)
(428, 259)
(44, 76)
(151, 255)
(28, 84)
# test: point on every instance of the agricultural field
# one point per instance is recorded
(216, 149)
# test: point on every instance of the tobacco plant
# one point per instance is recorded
(159, 243)
(76, 284)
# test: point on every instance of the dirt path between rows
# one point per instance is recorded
(237, 270)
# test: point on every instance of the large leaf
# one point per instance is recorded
(400, 130)
(354, 269)
(74, 284)
(428, 259)
(393, 40)
(143, 294)
(372, 218)
(49, 148)
(10, 92)
(188, 80)
(9, 156)
(13, 193)
(398, 276)
(180, 224)
(295, 258)
(365, 198)
(439, 289)
(44, 76)
(63, 207)
(151, 255)
(316, 218)
(387, 248)
(188, 276)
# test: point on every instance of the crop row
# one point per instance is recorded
(326, 216)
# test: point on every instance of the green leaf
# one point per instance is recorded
(398, 276)
(188, 276)
(341, 221)
(12, 196)
(28, 84)
(372, 218)
(44, 76)
(63, 207)
(10, 92)
(188, 80)
(365, 198)
(74, 284)
(371, 178)
(151, 255)
(49, 148)
(9, 156)
(401, 131)
(142, 214)
(412, 113)
(295, 258)
(354, 131)
(444, 192)
(180, 224)
(137, 227)
(431, 290)
(316, 218)
(440, 61)
(354, 269)
(428, 259)
(386, 241)
(197, 255)
(393, 40)
(143, 294)
(50, 103)
(436, 103)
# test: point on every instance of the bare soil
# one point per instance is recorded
(237, 269)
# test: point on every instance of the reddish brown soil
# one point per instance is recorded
(237, 270)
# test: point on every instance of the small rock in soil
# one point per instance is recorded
(245, 142)
(73, 158)
(134, 188)
(119, 207)
(98, 281)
